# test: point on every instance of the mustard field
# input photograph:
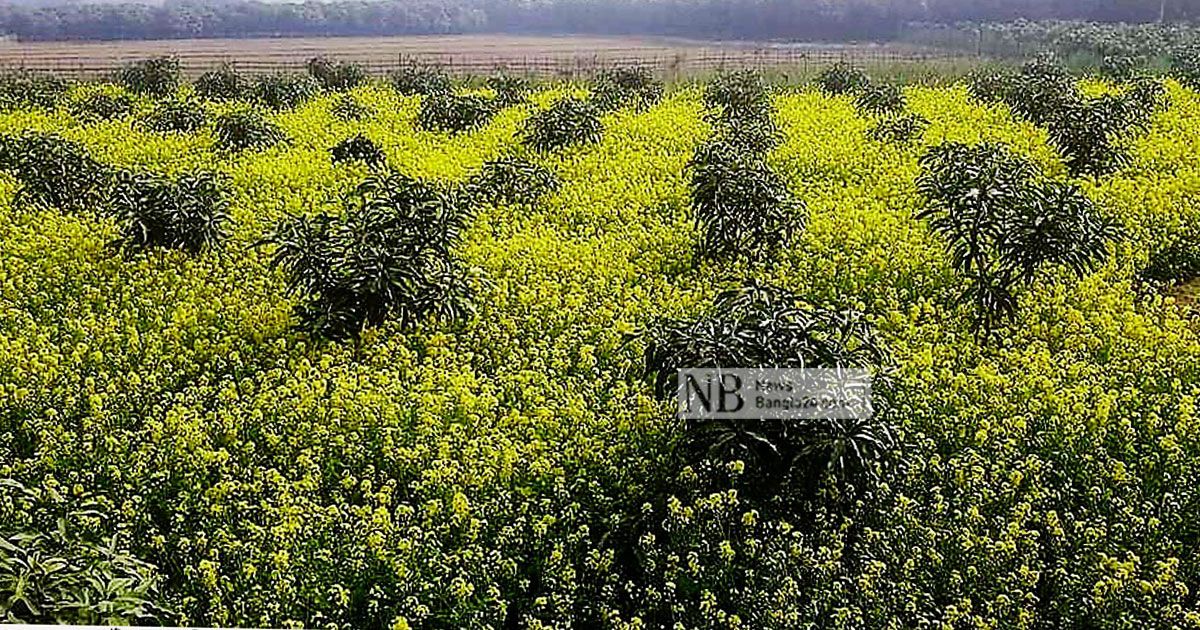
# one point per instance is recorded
(203, 424)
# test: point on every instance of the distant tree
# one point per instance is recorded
(153, 77)
(221, 84)
(337, 76)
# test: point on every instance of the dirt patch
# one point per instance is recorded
(1186, 294)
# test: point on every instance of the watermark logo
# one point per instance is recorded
(774, 393)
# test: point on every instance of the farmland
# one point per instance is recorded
(540, 55)
(236, 390)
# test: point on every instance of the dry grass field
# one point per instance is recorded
(464, 54)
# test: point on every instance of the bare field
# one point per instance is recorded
(466, 54)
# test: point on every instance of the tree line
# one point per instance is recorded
(837, 20)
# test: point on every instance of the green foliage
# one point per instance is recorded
(510, 89)
(754, 136)
(156, 77)
(1087, 131)
(1178, 262)
(1002, 222)
(358, 148)
(760, 326)
(335, 76)
(843, 78)
(242, 129)
(619, 87)
(221, 84)
(54, 172)
(899, 128)
(1144, 97)
(177, 115)
(567, 122)
(347, 108)
(188, 213)
(513, 181)
(284, 91)
(991, 86)
(740, 205)
(455, 113)
(56, 569)
(1041, 90)
(23, 89)
(882, 99)
(387, 257)
(1185, 64)
(414, 78)
(738, 95)
(1047, 68)
(100, 103)
(1119, 67)
(738, 106)
(1036, 92)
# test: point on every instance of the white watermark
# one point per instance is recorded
(774, 393)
